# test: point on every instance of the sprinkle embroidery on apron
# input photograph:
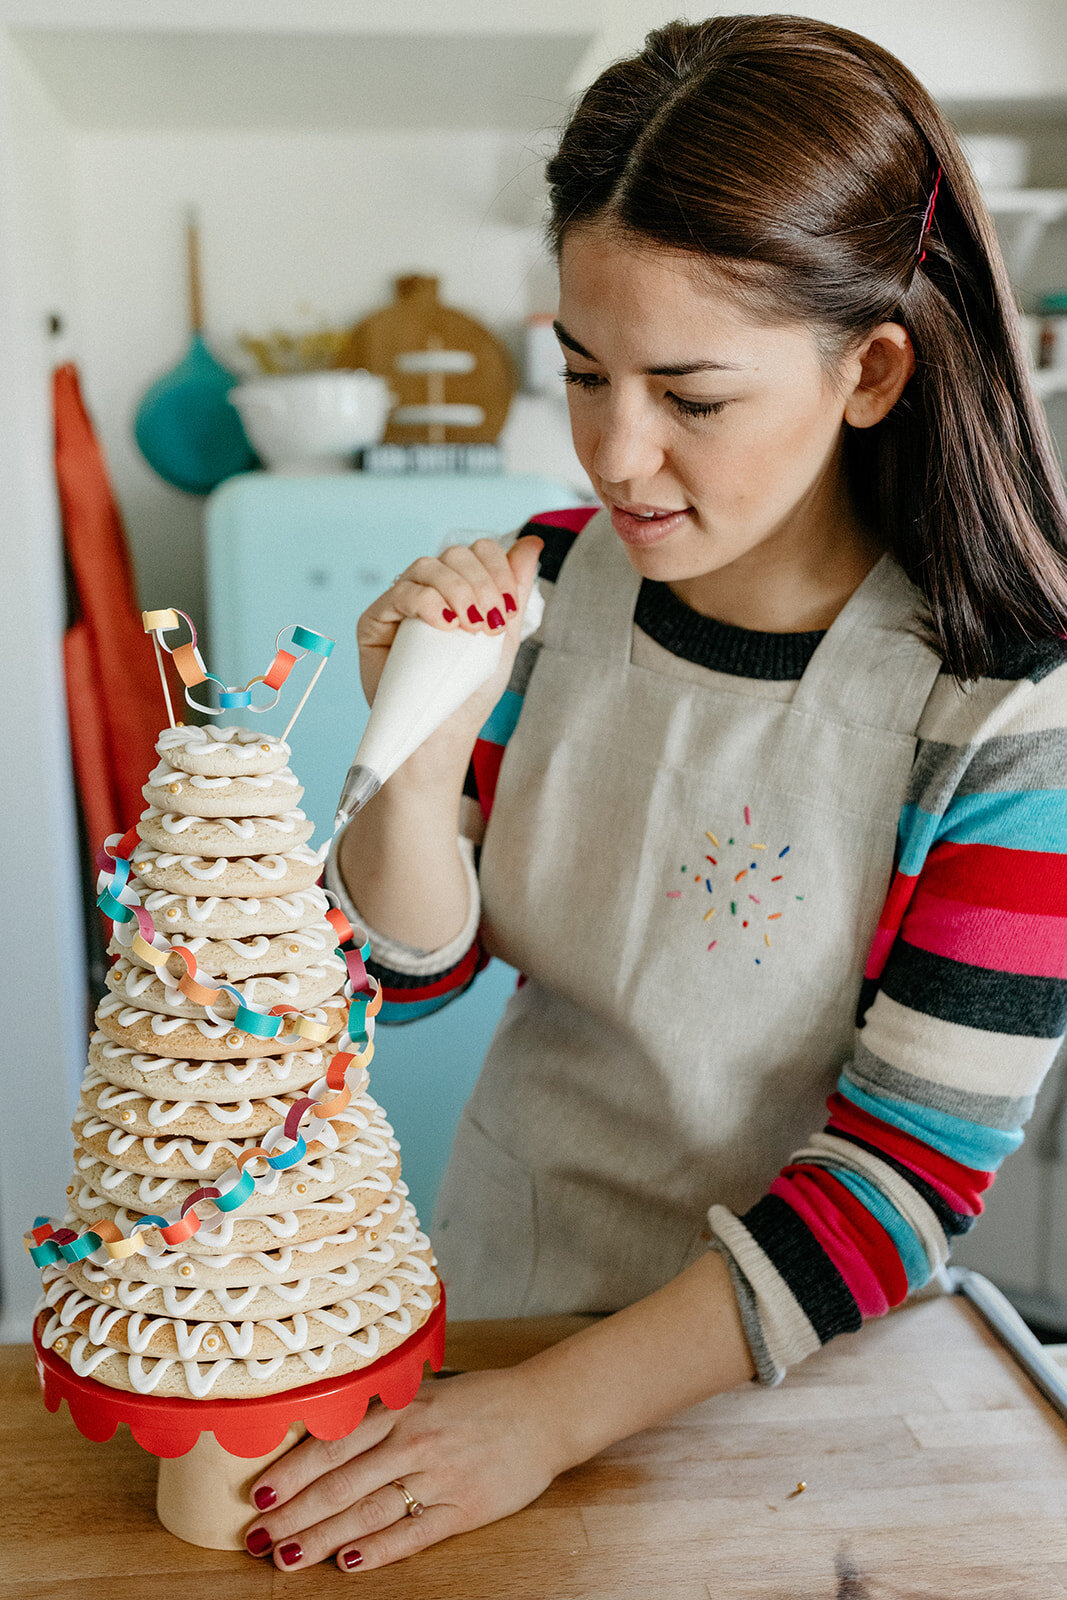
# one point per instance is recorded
(771, 904)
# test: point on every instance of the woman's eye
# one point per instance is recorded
(687, 408)
(698, 408)
(584, 380)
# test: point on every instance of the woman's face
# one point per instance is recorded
(705, 434)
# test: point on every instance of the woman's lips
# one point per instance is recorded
(645, 530)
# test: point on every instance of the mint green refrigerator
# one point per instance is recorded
(318, 550)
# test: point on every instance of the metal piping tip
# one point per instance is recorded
(360, 786)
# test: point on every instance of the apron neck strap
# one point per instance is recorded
(870, 666)
(593, 603)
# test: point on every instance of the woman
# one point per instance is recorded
(810, 650)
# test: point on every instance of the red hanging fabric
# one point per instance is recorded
(114, 699)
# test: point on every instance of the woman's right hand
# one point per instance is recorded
(480, 575)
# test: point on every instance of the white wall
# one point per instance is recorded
(42, 983)
(958, 48)
(298, 230)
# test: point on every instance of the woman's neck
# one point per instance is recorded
(797, 590)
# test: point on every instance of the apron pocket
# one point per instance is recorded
(483, 1228)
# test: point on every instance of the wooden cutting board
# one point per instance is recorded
(933, 1469)
(417, 321)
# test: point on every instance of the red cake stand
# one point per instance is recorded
(212, 1450)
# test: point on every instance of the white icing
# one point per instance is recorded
(161, 1113)
(282, 1224)
(241, 827)
(88, 1351)
(235, 1072)
(162, 775)
(260, 943)
(297, 904)
(289, 984)
(290, 1259)
(128, 1016)
(235, 1300)
(250, 949)
(373, 1138)
(209, 869)
(152, 1188)
(138, 981)
(242, 742)
(195, 1154)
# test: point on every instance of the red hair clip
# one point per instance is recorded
(928, 215)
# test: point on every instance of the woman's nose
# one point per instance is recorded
(627, 450)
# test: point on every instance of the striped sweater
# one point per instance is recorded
(964, 998)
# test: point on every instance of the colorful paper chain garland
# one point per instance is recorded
(47, 1244)
(189, 663)
(118, 900)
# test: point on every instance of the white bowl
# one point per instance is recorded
(313, 421)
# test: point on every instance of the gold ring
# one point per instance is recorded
(414, 1508)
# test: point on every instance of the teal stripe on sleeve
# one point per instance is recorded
(916, 831)
(411, 1010)
(972, 1145)
(1027, 819)
(1013, 819)
(500, 724)
(908, 1246)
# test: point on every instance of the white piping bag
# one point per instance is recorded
(428, 674)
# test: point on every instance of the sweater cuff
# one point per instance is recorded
(767, 1369)
(786, 1330)
(408, 958)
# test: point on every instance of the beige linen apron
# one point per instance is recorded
(690, 878)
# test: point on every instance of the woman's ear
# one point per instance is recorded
(882, 366)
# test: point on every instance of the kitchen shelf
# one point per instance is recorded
(1032, 212)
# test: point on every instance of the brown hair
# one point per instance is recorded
(797, 159)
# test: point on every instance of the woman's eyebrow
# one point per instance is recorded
(681, 371)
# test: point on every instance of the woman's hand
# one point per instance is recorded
(478, 588)
(480, 1446)
(470, 1448)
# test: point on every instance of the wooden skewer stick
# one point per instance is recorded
(163, 681)
(303, 702)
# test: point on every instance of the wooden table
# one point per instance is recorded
(933, 1468)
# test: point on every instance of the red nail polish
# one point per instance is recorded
(494, 619)
(351, 1558)
(290, 1553)
(510, 603)
(264, 1497)
(474, 615)
(449, 615)
(258, 1541)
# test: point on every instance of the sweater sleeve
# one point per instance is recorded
(963, 1009)
(417, 982)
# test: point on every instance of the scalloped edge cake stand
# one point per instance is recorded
(210, 1451)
